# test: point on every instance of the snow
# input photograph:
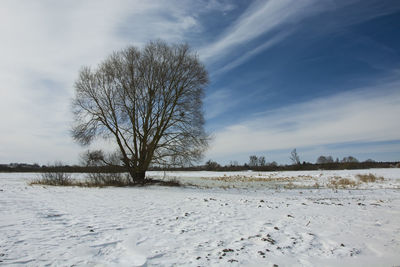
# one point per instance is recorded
(223, 223)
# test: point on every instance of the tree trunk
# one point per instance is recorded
(137, 176)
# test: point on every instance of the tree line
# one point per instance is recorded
(259, 163)
(210, 165)
(273, 166)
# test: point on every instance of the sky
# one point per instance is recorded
(319, 76)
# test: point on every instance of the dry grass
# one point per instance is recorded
(341, 183)
(228, 181)
(369, 178)
(240, 178)
(289, 185)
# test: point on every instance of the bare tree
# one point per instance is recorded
(324, 160)
(349, 159)
(253, 161)
(273, 164)
(212, 165)
(234, 163)
(261, 161)
(148, 101)
(321, 160)
(294, 157)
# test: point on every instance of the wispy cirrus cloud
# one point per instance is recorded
(251, 53)
(361, 115)
(262, 17)
(274, 21)
(219, 102)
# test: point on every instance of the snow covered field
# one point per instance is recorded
(234, 219)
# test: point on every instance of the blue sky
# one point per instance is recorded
(319, 76)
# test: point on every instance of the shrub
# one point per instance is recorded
(106, 179)
(54, 178)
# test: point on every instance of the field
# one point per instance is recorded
(308, 218)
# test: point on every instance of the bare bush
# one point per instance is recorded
(107, 179)
(56, 178)
(53, 177)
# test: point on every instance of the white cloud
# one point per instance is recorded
(44, 43)
(224, 6)
(362, 115)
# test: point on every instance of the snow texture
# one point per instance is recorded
(229, 221)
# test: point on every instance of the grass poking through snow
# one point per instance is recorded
(369, 178)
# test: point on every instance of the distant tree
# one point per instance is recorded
(261, 161)
(324, 160)
(234, 163)
(370, 161)
(321, 160)
(273, 164)
(212, 165)
(349, 159)
(253, 161)
(149, 102)
(294, 157)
